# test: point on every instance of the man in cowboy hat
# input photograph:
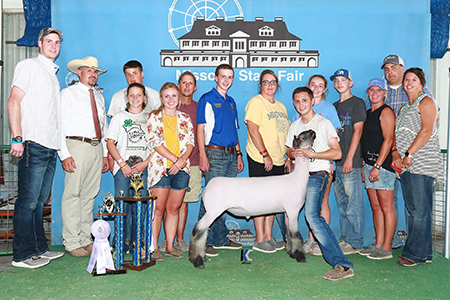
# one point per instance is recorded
(83, 153)
(34, 118)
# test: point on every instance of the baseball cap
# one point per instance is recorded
(47, 30)
(342, 72)
(381, 83)
(393, 59)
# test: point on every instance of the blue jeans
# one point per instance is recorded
(123, 183)
(315, 190)
(397, 241)
(36, 169)
(418, 193)
(221, 164)
(348, 189)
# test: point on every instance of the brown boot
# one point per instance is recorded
(89, 247)
(79, 252)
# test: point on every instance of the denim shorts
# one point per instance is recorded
(177, 182)
(385, 182)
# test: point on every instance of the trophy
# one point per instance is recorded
(136, 183)
(108, 201)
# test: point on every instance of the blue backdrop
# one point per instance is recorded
(350, 34)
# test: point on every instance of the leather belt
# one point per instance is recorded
(93, 142)
(228, 149)
(323, 172)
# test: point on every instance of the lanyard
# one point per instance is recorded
(406, 109)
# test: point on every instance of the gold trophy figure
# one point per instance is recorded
(137, 183)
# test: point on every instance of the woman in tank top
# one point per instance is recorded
(378, 175)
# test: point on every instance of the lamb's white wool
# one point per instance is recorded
(256, 196)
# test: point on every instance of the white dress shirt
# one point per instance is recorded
(40, 112)
(77, 117)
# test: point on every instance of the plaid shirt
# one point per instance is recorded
(397, 97)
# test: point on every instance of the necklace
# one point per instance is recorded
(406, 109)
(175, 129)
(167, 120)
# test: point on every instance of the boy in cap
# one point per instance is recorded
(348, 186)
(35, 120)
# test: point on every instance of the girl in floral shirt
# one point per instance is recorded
(171, 138)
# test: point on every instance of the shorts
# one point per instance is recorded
(385, 182)
(195, 185)
(175, 182)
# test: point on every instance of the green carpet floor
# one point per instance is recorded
(269, 276)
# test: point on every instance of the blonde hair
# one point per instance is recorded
(166, 86)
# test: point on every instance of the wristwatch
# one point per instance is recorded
(377, 166)
(408, 154)
(17, 139)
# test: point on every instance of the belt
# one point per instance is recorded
(93, 142)
(229, 149)
(323, 172)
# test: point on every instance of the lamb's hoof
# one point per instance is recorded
(198, 262)
(205, 259)
(299, 256)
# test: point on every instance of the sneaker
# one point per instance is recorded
(265, 247)
(338, 273)
(163, 246)
(79, 252)
(230, 245)
(315, 249)
(32, 262)
(397, 241)
(274, 244)
(175, 253)
(52, 254)
(156, 256)
(210, 251)
(308, 245)
(347, 248)
(379, 254)
(182, 246)
(402, 261)
(368, 251)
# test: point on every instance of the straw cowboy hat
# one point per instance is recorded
(88, 61)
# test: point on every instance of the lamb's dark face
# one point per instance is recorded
(304, 139)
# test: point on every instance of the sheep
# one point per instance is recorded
(247, 197)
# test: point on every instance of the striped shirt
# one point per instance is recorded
(428, 159)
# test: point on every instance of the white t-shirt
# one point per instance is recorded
(130, 133)
(119, 101)
(324, 132)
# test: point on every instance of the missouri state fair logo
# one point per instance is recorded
(209, 33)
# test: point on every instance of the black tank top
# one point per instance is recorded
(372, 139)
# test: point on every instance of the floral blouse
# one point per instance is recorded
(155, 126)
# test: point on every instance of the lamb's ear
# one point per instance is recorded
(296, 142)
(313, 134)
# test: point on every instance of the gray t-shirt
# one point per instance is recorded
(350, 112)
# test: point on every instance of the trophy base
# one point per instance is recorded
(129, 265)
(110, 272)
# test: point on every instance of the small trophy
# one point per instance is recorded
(108, 201)
(137, 183)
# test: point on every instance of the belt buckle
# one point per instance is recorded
(95, 142)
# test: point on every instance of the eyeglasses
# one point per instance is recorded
(267, 82)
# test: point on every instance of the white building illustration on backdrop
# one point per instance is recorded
(242, 44)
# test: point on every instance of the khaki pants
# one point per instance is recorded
(80, 189)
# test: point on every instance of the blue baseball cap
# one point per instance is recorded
(381, 83)
(342, 72)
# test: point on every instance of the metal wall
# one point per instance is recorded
(13, 28)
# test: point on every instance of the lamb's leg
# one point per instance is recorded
(288, 233)
(197, 246)
(295, 241)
